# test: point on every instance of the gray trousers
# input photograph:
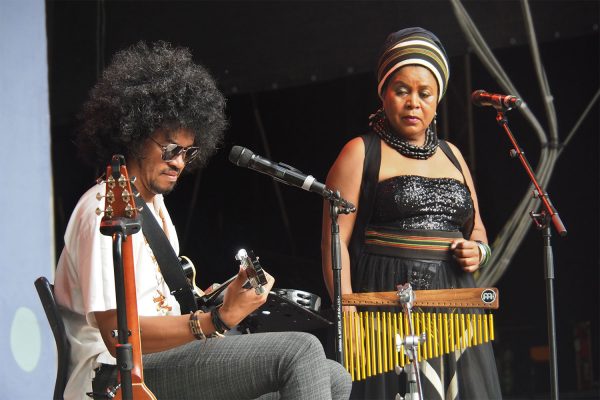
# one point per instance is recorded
(286, 365)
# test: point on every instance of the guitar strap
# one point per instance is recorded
(166, 258)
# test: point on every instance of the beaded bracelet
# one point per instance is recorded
(195, 326)
(220, 326)
(485, 252)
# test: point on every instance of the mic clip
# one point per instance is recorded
(343, 206)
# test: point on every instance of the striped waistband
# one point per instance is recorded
(410, 244)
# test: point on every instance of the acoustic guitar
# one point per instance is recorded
(120, 210)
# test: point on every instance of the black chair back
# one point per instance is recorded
(46, 292)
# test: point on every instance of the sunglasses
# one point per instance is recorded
(173, 150)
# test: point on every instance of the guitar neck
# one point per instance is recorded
(212, 299)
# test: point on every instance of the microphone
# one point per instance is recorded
(242, 157)
(482, 98)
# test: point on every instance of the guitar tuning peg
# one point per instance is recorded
(110, 196)
(108, 212)
(100, 180)
(126, 196)
(129, 211)
(110, 182)
(122, 181)
(132, 179)
(241, 254)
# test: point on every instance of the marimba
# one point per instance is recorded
(370, 344)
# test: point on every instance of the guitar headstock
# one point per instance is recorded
(119, 198)
(254, 272)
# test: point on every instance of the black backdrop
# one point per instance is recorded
(314, 91)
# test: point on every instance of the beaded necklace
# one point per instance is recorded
(162, 302)
(380, 125)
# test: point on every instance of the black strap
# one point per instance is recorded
(448, 152)
(467, 230)
(366, 200)
(166, 258)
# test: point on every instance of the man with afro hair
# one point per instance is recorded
(164, 113)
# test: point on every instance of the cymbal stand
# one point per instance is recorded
(414, 390)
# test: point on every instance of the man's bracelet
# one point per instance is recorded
(195, 326)
(220, 326)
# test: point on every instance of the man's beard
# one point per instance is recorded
(158, 190)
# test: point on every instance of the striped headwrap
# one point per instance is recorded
(412, 46)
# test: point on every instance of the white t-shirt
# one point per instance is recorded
(85, 284)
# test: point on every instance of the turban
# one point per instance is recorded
(413, 46)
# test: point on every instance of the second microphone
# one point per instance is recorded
(242, 157)
(481, 98)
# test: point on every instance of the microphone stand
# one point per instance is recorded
(289, 175)
(337, 206)
(542, 223)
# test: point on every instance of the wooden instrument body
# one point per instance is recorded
(120, 205)
(138, 387)
(487, 298)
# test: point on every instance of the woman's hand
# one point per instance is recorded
(466, 253)
(239, 302)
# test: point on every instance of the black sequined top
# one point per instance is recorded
(417, 202)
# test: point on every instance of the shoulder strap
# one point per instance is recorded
(366, 199)
(450, 154)
(166, 258)
(469, 224)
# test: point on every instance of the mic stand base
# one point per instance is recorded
(549, 277)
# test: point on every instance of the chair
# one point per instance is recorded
(46, 292)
